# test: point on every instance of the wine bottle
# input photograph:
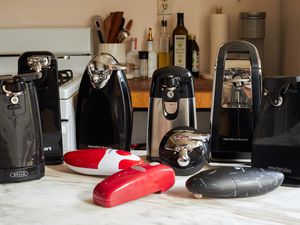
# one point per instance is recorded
(193, 56)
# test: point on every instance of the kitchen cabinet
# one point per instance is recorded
(65, 197)
(140, 90)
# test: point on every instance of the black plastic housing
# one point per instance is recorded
(276, 140)
(104, 116)
(161, 77)
(49, 105)
(234, 182)
(21, 148)
(234, 144)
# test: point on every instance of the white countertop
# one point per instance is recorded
(65, 197)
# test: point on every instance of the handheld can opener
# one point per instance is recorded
(100, 161)
(133, 183)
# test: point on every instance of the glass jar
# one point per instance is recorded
(143, 64)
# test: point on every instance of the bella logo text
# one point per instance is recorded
(19, 174)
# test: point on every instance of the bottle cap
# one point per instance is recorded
(192, 36)
(134, 41)
(180, 15)
(143, 54)
(219, 9)
(164, 23)
(150, 38)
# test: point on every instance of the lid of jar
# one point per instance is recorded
(143, 54)
(252, 15)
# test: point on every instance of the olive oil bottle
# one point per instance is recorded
(164, 46)
(180, 38)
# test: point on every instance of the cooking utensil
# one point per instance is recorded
(97, 22)
(122, 23)
(107, 26)
(120, 29)
(116, 22)
(124, 33)
(129, 25)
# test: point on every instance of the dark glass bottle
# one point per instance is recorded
(180, 38)
(193, 56)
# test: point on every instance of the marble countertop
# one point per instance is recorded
(65, 197)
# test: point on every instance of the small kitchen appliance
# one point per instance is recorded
(48, 98)
(234, 182)
(100, 161)
(104, 110)
(21, 149)
(72, 49)
(236, 102)
(171, 104)
(132, 183)
(276, 142)
(185, 149)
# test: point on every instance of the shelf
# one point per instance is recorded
(140, 90)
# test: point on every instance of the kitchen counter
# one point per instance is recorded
(65, 197)
(140, 90)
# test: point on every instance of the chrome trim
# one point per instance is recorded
(38, 62)
(100, 68)
(159, 125)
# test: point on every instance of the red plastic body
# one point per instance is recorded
(100, 161)
(132, 183)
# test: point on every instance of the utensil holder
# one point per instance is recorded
(117, 50)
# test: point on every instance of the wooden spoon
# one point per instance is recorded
(116, 22)
(107, 27)
(129, 25)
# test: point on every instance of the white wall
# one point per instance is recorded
(290, 57)
(77, 13)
